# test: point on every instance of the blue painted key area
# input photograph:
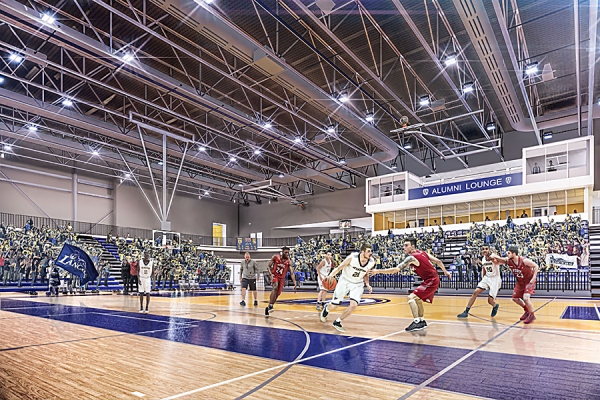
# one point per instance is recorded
(575, 312)
(487, 374)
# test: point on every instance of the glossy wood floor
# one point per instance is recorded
(209, 347)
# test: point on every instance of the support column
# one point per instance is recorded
(75, 216)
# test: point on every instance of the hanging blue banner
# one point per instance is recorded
(473, 185)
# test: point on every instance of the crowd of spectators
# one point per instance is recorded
(187, 263)
(27, 254)
(535, 240)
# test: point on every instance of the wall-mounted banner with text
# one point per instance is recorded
(473, 185)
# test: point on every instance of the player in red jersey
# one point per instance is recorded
(526, 272)
(422, 263)
(278, 268)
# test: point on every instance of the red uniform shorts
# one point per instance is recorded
(427, 289)
(521, 288)
(280, 285)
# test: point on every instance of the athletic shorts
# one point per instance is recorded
(492, 284)
(354, 291)
(249, 283)
(281, 281)
(321, 284)
(427, 289)
(521, 288)
(145, 285)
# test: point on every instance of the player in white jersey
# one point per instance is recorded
(145, 285)
(491, 280)
(323, 269)
(355, 270)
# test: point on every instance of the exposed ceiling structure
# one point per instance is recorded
(306, 95)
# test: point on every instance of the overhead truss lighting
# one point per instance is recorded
(15, 57)
(48, 18)
(547, 135)
(331, 129)
(343, 97)
(67, 102)
(369, 117)
(468, 87)
(407, 146)
(128, 57)
(490, 126)
(1, 80)
(268, 125)
(342, 160)
(531, 69)
(424, 101)
(450, 59)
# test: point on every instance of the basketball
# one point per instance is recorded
(329, 285)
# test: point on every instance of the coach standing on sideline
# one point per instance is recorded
(248, 271)
(125, 275)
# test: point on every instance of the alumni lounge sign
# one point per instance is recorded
(473, 185)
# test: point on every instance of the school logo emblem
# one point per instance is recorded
(508, 180)
(425, 192)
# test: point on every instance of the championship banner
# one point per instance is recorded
(473, 185)
(76, 261)
(561, 260)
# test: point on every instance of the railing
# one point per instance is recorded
(565, 281)
(89, 228)
(596, 215)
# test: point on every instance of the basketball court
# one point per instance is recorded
(208, 347)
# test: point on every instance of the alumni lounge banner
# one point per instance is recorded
(561, 260)
(473, 185)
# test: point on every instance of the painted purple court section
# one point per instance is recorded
(576, 312)
(486, 374)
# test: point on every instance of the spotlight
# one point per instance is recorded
(531, 69)
(424, 101)
(268, 125)
(256, 152)
(331, 129)
(1, 80)
(7, 147)
(281, 175)
(342, 161)
(240, 184)
(206, 192)
(128, 175)
(343, 97)
(468, 87)
(394, 165)
(67, 103)
(450, 59)
(407, 146)
(297, 140)
(201, 148)
(1, 155)
(127, 57)
(547, 135)
(48, 19)
(32, 128)
(370, 117)
(15, 57)
(95, 153)
(160, 163)
(232, 159)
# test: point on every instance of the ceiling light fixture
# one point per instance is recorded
(490, 126)
(201, 148)
(407, 146)
(342, 161)
(424, 101)
(127, 57)
(369, 117)
(160, 163)
(127, 175)
(232, 159)
(532, 68)
(331, 129)
(343, 97)
(547, 135)
(7, 147)
(450, 59)
(14, 57)
(281, 175)
(268, 125)
(297, 140)
(32, 128)
(394, 165)
(67, 103)
(95, 153)
(256, 152)
(1, 80)
(48, 19)
(468, 87)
